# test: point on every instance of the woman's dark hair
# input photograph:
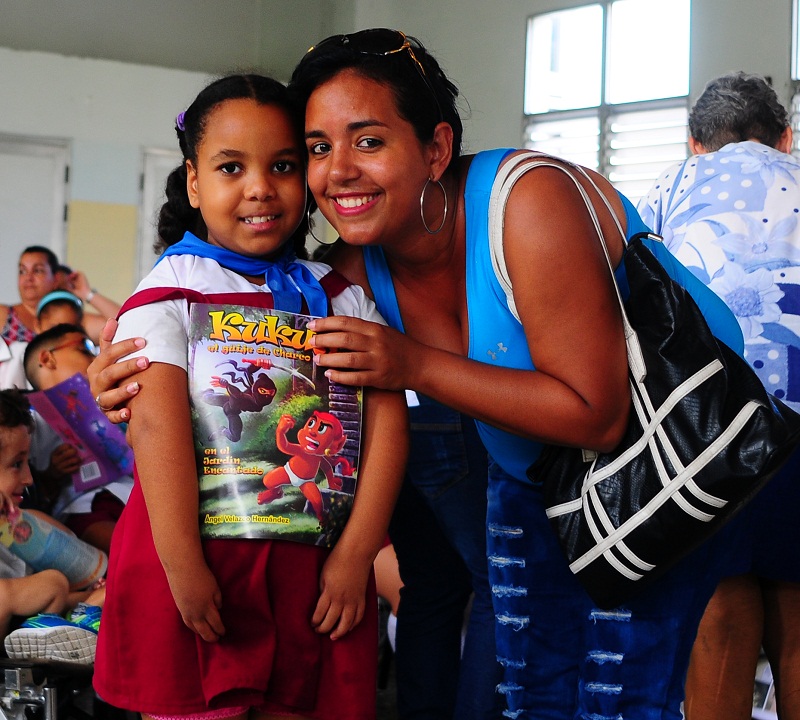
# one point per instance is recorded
(737, 107)
(423, 94)
(52, 260)
(177, 215)
(15, 410)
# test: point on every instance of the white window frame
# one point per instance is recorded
(604, 110)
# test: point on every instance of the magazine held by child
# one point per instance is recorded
(71, 411)
(276, 443)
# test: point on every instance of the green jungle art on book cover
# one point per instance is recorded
(276, 443)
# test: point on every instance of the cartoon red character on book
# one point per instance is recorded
(318, 442)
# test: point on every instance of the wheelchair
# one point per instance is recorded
(51, 690)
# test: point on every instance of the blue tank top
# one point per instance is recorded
(496, 337)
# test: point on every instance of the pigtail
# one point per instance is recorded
(177, 216)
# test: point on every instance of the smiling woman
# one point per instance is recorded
(553, 371)
(37, 270)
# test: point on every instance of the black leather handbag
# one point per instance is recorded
(703, 437)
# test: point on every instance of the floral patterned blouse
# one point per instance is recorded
(731, 217)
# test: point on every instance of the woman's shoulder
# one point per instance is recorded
(552, 182)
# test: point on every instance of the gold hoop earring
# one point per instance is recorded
(422, 207)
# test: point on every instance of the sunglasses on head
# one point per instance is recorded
(85, 345)
(380, 42)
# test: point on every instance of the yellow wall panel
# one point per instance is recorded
(101, 241)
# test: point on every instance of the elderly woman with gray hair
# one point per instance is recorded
(730, 214)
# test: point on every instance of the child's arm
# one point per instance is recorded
(161, 436)
(44, 591)
(384, 446)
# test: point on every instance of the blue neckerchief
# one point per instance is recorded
(288, 280)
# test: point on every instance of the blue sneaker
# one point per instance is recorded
(86, 616)
(51, 637)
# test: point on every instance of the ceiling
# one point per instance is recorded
(211, 36)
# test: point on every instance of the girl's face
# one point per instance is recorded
(249, 181)
(35, 278)
(15, 474)
(366, 166)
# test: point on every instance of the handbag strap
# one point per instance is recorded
(514, 168)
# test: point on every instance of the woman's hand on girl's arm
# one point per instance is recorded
(384, 444)
(161, 436)
(111, 381)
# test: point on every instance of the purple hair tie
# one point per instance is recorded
(179, 122)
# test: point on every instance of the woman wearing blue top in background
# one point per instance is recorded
(384, 135)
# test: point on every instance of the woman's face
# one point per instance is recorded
(35, 278)
(366, 166)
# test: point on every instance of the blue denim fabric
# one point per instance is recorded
(439, 534)
(770, 535)
(566, 659)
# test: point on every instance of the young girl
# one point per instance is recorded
(231, 628)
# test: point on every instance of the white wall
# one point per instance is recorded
(109, 111)
(750, 35)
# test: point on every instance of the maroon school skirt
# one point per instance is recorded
(270, 657)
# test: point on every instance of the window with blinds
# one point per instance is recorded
(596, 93)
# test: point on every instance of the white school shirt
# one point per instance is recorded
(165, 325)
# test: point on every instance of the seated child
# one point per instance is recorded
(59, 307)
(23, 593)
(50, 358)
(52, 462)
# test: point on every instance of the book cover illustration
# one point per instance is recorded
(276, 443)
(70, 410)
